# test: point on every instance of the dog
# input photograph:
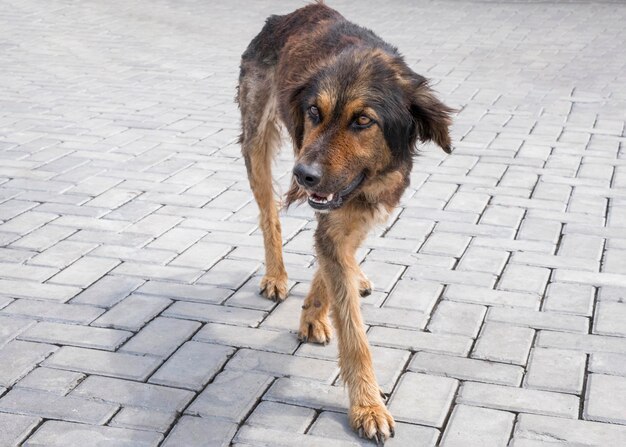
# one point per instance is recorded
(355, 112)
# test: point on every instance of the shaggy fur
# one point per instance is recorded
(355, 112)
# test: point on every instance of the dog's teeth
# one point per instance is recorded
(330, 197)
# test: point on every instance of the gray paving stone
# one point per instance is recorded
(42, 310)
(52, 406)
(448, 276)
(201, 432)
(524, 278)
(387, 316)
(229, 273)
(192, 366)
(23, 289)
(414, 295)
(264, 437)
(569, 298)
(466, 369)
(480, 295)
(17, 358)
(68, 434)
(288, 418)
(422, 341)
(74, 335)
(63, 254)
(457, 318)
(11, 327)
(282, 365)
(142, 419)
(504, 343)
(556, 370)
(610, 319)
(569, 431)
(473, 426)
(335, 426)
(203, 256)
(308, 393)
(158, 272)
(15, 427)
(185, 292)
(243, 337)
(133, 394)
(581, 342)
(230, 396)
(521, 400)
(103, 363)
(133, 312)
(108, 291)
(161, 337)
(85, 271)
(539, 320)
(606, 399)
(612, 364)
(382, 275)
(214, 314)
(422, 399)
(49, 380)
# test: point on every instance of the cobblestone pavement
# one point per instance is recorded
(130, 253)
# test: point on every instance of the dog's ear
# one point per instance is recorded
(294, 120)
(432, 118)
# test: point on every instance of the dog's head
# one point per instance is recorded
(357, 117)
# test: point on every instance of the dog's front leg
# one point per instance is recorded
(336, 241)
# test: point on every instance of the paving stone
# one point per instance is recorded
(202, 256)
(288, 418)
(522, 400)
(161, 337)
(422, 399)
(85, 271)
(68, 434)
(63, 254)
(504, 343)
(402, 318)
(610, 319)
(23, 289)
(335, 426)
(64, 313)
(606, 399)
(49, 380)
(133, 394)
(11, 327)
(265, 437)
(17, 358)
(581, 342)
(481, 259)
(281, 364)
(192, 366)
(466, 369)
(185, 292)
(569, 431)
(539, 320)
(581, 246)
(52, 406)
(104, 363)
(158, 272)
(423, 341)
(569, 298)
(382, 275)
(133, 312)
(308, 393)
(457, 318)
(15, 427)
(243, 337)
(229, 273)
(201, 432)
(556, 370)
(539, 230)
(108, 291)
(414, 295)
(215, 314)
(524, 278)
(612, 364)
(230, 396)
(74, 335)
(479, 295)
(142, 419)
(447, 244)
(473, 426)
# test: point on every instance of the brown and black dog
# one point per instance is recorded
(355, 112)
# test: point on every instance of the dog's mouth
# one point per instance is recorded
(326, 202)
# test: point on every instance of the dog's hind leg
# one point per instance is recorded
(260, 140)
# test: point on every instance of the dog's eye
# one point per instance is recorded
(314, 112)
(362, 121)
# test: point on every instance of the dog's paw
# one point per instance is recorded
(365, 286)
(372, 422)
(274, 287)
(314, 330)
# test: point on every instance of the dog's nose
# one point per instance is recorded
(308, 175)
